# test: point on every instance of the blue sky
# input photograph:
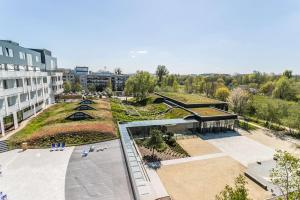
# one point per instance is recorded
(188, 36)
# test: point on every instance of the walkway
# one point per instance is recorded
(194, 158)
(101, 175)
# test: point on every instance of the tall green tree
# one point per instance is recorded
(288, 73)
(67, 86)
(161, 71)
(91, 87)
(222, 93)
(283, 89)
(140, 85)
(238, 192)
(155, 142)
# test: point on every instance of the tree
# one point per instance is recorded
(109, 84)
(267, 88)
(238, 100)
(188, 84)
(156, 141)
(175, 86)
(77, 87)
(91, 87)
(161, 71)
(118, 71)
(269, 112)
(67, 87)
(222, 93)
(286, 175)
(288, 73)
(140, 85)
(283, 89)
(238, 192)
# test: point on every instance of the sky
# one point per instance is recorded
(188, 36)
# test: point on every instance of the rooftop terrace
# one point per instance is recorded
(208, 112)
(190, 98)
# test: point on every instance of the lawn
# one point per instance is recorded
(133, 111)
(209, 112)
(51, 126)
(189, 98)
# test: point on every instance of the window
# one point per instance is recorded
(29, 59)
(37, 59)
(19, 83)
(1, 51)
(28, 81)
(52, 64)
(44, 79)
(22, 55)
(10, 53)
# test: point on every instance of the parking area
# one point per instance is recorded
(100, 175)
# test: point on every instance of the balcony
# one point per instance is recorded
(21, 74)
(11, 91)
(24, 104)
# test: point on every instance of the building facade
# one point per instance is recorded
(100, 79)
(28, 83)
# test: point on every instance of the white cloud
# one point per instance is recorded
(134, 54)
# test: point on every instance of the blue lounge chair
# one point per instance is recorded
(62, 146)
(58, 146)
(52, 147)
(84, 153)
(3, 196)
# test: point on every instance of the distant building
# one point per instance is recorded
(100, 79)
(81, 70)
(28, 83)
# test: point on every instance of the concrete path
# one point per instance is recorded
(194, 158)
(99, 176)
(34, 174)
(243, 149)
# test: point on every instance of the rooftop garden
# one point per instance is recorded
(52, 125)
(133, 110)
(207, 112)
(189, 98)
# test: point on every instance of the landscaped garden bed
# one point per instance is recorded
(170, 152)
(52, 125)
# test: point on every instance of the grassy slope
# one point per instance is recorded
(51, 126)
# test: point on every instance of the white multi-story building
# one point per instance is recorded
(28, 83)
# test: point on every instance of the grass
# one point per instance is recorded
(208, 111)
(292, 107)
(51, 126)
(189, 98)
(134, 111)
(246, 126)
